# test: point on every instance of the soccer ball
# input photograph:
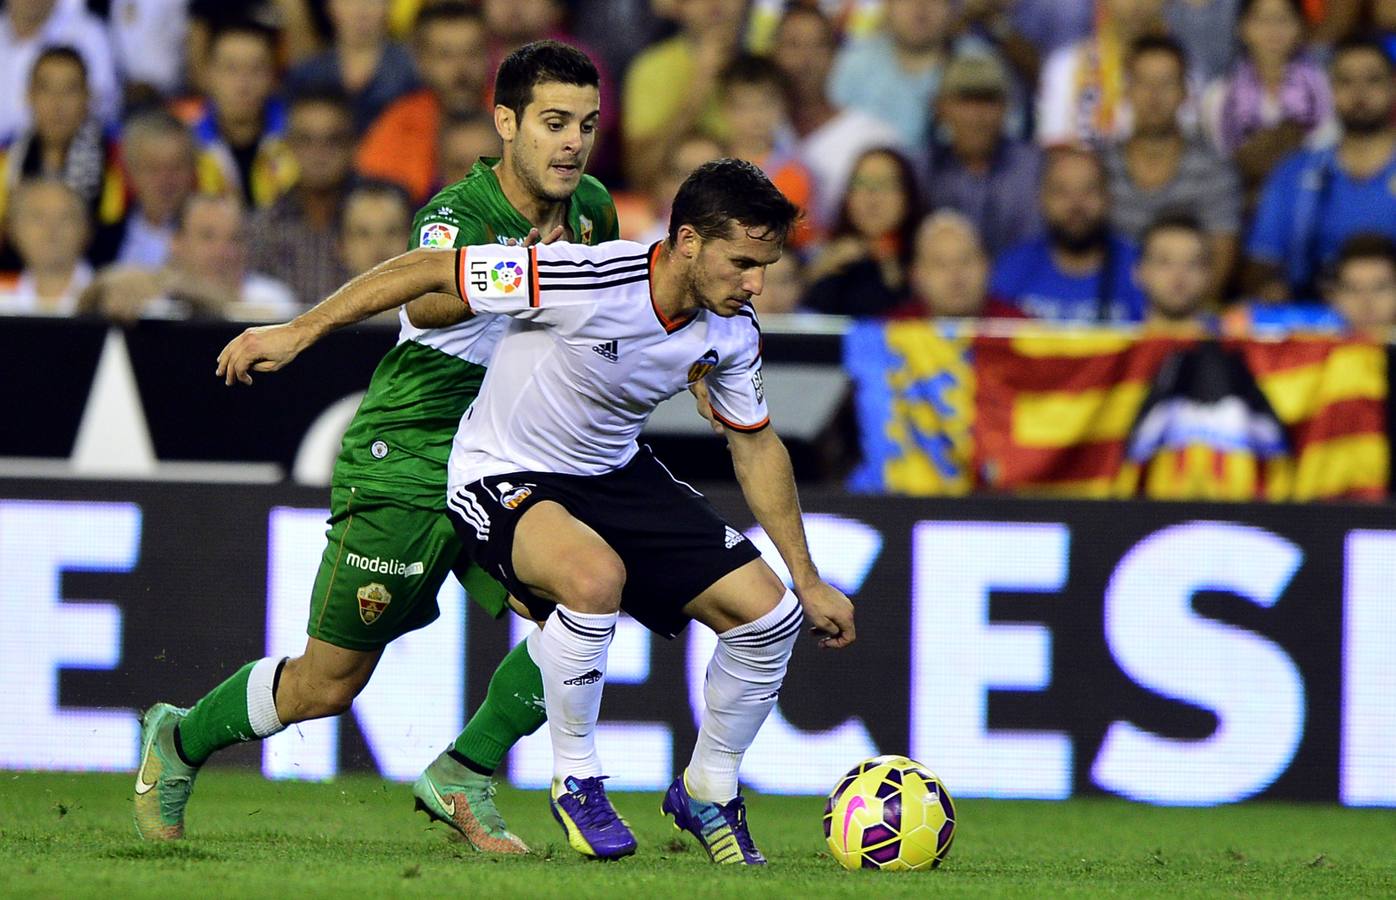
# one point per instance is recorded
(889, 812)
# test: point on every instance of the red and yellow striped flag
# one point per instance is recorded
(1054, 411)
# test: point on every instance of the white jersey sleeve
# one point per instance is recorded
(735, 389)
(492, 278)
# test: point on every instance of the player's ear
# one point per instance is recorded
(505, 123)
(688, 242)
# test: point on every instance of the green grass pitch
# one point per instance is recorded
(71, 836)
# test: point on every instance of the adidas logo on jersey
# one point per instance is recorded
(734, 537)
(608, 350)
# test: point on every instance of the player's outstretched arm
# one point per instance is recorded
(768, 483)
(387, 285)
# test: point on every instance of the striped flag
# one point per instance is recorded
(1055, 410)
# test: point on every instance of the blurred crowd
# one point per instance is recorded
(1223, 163)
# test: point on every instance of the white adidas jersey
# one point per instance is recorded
(586, 358)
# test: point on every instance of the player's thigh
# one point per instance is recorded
(562, 559)
(741, 596)
(381, 570)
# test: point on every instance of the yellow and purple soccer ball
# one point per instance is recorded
(892, 813)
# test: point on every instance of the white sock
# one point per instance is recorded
(741, 689)
(261, 699)
(571, 651)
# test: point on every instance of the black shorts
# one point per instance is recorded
(673, 543)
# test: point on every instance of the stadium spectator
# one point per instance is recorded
(1158, 169)
(950, 273)
(647, 221)
(831, 138)
(862, 271)
(29, 26)
(1046, 24)
(363, 62)
(64, 141)
(293, 240)
(1174, 271)
(240, 128)
(375, 224)
(976, 168)
(619, 30)
(449, 49)
(293, 21)
(672, 87)
(1079, 270)
(1206, 30)
(1004, 25)
(148, 39)
(1081, 95)
(1363, 287)
(49, 228)
(784, 288)
(1319, 197)
(462, 140)
(159, 157)
(207, 274)
(895, 74)
(756, 105)
(1274, 98)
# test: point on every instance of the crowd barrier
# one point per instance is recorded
(1173, 653)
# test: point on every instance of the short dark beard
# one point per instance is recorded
(1364, 126)
(1076, 242)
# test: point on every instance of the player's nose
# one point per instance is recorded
(753, 283)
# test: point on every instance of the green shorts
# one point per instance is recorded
(383, 565)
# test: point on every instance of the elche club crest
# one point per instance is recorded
(703, 366)
(507, 276)
(373, 599)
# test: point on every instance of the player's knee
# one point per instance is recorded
(594, 585)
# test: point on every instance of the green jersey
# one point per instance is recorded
(401, 436)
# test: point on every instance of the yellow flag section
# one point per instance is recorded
(1331, 396)
(914, 395)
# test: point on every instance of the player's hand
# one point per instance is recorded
(699, 389)
(830, 614)
(264, 348)
(535, 237)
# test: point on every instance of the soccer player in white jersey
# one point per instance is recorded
(552, 493)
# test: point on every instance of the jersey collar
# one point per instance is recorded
(670, 325)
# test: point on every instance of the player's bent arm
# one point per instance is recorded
(387, 285)
(437, 311)
(768, 482)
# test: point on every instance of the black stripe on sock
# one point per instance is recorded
(585, 631)
(472, 765)
(769, 638)
(179, 750)
(747, 638)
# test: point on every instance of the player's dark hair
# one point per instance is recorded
(1361, 43)
(245, 28)
(750, 69)
(62, 53)
(1366, 245)
(447, 11)
(724, 191)
(1159, 43)
(541, 62)
(1172, 220)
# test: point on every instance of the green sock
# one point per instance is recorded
(513, 708)
(240, 709)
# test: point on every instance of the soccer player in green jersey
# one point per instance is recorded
(390, 546)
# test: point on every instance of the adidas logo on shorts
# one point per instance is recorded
(734, 537)
(608, 350)
(586, 678)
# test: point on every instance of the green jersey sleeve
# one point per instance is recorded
(442, 227)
